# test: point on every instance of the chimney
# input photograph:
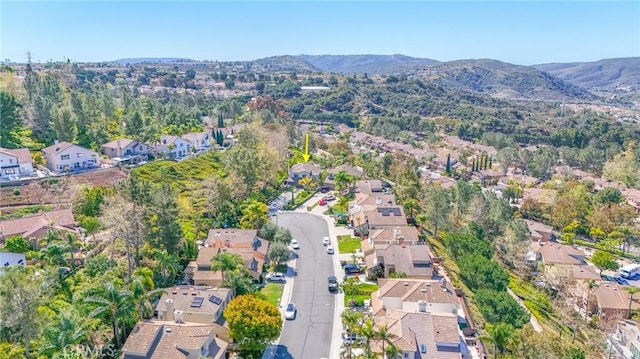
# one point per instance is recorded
(178, 316)
(378, 201)
(56, 142)
(169, 306)
(422, 306)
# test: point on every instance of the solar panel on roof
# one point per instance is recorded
(215, 300)
(197, 302)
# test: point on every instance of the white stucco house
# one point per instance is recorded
(200, 141)
(15, 162)
(125, 148)
(65, 156)
(173, 147)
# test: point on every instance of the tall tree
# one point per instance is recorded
(447, 168)
(11, 121)
(631, 290)
(162, 219)
(22, 291)
(604, 260)
(279, 253)
(63, 123)
(437, 207)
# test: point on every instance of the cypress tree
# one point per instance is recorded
(220, 138)
(448, 166)
(473, 166)
(490, 162)
(220, 121)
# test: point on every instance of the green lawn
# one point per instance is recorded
(273, 292)
(365, 290)
(348, 244)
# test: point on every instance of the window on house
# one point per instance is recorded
(64, 157)
(10, 160)
(9, 171)
(79, 155)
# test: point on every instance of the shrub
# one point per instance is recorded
(499, 307)
(16, 191)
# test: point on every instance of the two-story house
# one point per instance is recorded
(423, 335)
(173, 147)
(15, 162)
(200, 141)
(413, 261)
(125, 148)
(65, 156)
(303, 170)
(194, 304)
(244, 242)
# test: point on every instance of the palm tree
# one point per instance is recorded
(351, 320)
(69, 329)
(143, 292)
(254, 215)
(341, 179)
(239, 281)
(114, 305)
(631, 290)
(411, 205)
(499, 334)
(166, 266)
(54, 254)
(72, 241)
(224, 262)
(393, 352)
(368, 332)
(386, 337)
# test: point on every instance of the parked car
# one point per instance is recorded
(350, 338)
(330, 250)
(351, 268)
(323, 202)
(330, 197)
(290, 312)
(295, 244)
(607, 278)
(621, 281)
(333, 283)
(325, 241)
(276, 277)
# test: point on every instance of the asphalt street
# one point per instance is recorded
(308, 336)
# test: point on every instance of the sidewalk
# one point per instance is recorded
(534, 321)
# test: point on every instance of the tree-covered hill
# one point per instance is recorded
(502, 80)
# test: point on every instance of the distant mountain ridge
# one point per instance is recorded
(370, 64)
(607, 73)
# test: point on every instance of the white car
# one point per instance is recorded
(330, 197)
(275, 277)
(295, 244)
(329, 250)
(290, 312)
(326, 241)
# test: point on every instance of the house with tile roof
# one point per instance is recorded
(355, 172)
(125, 148)
(370, 186)
(244, 242)
(423, 335)
(38, 225)
(612, 301)
(416, 295)
(65, 156)
(412, 260)
(539, 232)
(171, 340)
(15, 163)
(383, 216)
(196, 304)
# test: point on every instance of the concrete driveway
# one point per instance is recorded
(309, 335)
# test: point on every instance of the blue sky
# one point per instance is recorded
(514, 31)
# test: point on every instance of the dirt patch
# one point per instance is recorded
(59, 191)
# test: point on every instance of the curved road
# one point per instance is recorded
(309, 335)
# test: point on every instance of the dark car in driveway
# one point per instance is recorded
(351, 269)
